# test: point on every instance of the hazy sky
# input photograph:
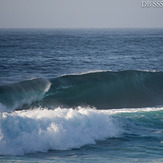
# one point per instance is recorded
(78, 13)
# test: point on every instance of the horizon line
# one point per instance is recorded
(81, 27)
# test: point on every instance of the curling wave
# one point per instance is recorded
(103, 90)
(14, 96)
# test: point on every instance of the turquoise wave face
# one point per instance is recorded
(103, 90)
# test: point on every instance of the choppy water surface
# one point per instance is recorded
(72, 95)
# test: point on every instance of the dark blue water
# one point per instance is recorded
(81, 95)
(31, 53)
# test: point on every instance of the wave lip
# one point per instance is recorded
(14, 96)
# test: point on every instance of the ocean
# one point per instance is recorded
(81, 95)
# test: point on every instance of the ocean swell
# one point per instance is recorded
(102, 90)
(105, 90)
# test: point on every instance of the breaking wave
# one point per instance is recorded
(40, 130)
(103, 90)
(16, 95)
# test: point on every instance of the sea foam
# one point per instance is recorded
(40, 130)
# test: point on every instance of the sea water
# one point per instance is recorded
(81, 95)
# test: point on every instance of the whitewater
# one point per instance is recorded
(40, 130)
(73, 95)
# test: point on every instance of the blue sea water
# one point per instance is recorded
(81, 95)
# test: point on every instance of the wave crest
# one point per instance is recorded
(16, 95)
(105, 90)
(102, 90)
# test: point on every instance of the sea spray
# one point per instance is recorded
(40, 130)
(14, 96)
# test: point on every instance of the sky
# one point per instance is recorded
(80, 14)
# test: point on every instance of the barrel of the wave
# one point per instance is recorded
(104, 90)
(14, 96)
